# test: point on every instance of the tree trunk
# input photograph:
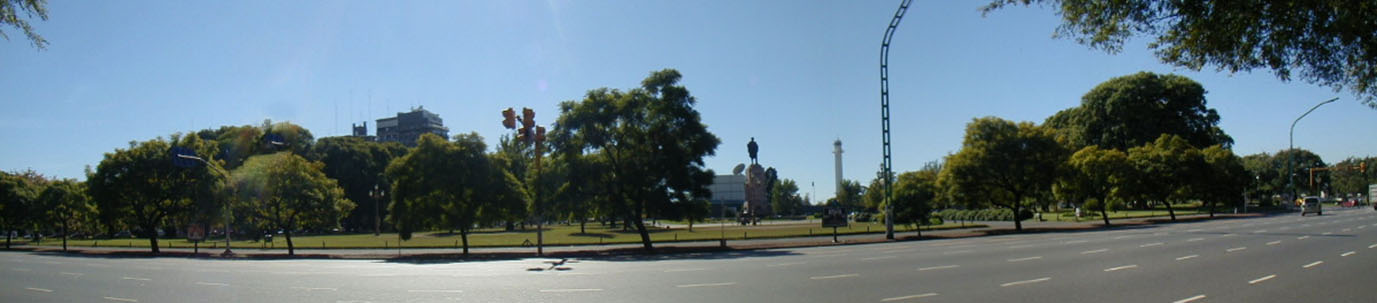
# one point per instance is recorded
(464, 236)
(291, 250)
(8, 233)
(1211, 206)
(64, 235)
(1018, 222)
(645, 236)
(1170, 211)
(1104, 210)
(152, 237)
(582, 223)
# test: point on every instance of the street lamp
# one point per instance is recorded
(377, 195)
(228, 209)
(1291, 180)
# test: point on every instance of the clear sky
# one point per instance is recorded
(795, 75)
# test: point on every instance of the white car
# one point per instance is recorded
(1311, 205)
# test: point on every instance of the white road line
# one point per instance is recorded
(1121, 237)
(1259, 280)
(133, 278)
(835, 276)
(1186, 300)
(70, 273)
(1305, 225)
(1302, 237)
(908, 297)
(1151, 244)
(121, 299)
(705, 285)
(1094, 251)
(956, 252)
(1235, 249)
(685, 269)
(1024, 259)
(1077, 241)
(1327, 233)
(1347, 230)
(784, 264)
(1228, 235)
(1274, 242)
(1313, 264)
(1347, 254)
(938, 267)
(1120, 268)
(316, 288)
(877, 258)
(434, 290)
(1285, 228)
(1021, 246)
(1044, 279)
(571, 290)
(1187, 257)
(38, 289)
(1372, 246)
(1194, 239)
(211, 284)
(1195, 230)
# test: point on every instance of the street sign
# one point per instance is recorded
(195, 232)
(182, 157)
(274, 139)
(834, 217)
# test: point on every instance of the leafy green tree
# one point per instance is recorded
(449, 185)
(64, 203)
(851, 195)
(19, 193)
(1163, 171)
(358, 166)
(1134, 110)
(1352, 179)
(140, 185)
(785, 199)
(1004, 163)
(914, 195)
(1223, 180)
(587, 190)
(1095, 173)
(1266, 177)
(10, 15)
(1326, 42)
(287, 192)
(651, 139)
(1300, 161)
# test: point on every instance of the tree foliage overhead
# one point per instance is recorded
(1134, 110)
(141, 187)
(651, 140)
(1164, 171)
(19, 194)
(16, 13)
(1328, 43)
(1003, 163)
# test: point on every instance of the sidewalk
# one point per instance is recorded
(480, 253)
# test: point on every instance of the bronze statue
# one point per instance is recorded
(753, 149)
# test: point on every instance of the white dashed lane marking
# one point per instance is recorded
(571, 290)
(1259, 280)
(1120, 268)
(1044, 279)
(38, 289)
(1094, 251)
(938, 267)
(835, 276)
(1024, 259)
(1348, 254)
(706, 285)
(1274, 242)
(1313, 264)
(1186, 300)
(908, 297)
(1187, 257)
(434, 291)
(1235, 249)
(121, 299)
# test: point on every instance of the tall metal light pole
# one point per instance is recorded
(884, 116)
(377, 195)
(1291, 145)
(228, 209)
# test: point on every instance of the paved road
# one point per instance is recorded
(1269, 259)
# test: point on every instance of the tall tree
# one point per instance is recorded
(140, 185)
(851, 195)
(10, 15)
(64, 203)
(1134, 110)
(785, 199)
(358, 166)
(1353, 178)
(285, 191)
(448, 185)
(1163, 171)
(651, 138)
(914, 195)
(1094, 173)
(1004, 163)
(1326, 42)
(18, 195)
(1223, 180)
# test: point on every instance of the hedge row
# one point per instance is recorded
(1002, 214)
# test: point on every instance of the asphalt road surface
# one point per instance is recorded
(1284, 258)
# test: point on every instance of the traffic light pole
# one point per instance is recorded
(887, 164)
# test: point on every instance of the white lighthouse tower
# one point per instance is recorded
(837, 150)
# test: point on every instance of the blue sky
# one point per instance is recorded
(793, 74)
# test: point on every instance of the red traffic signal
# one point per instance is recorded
(509, 118)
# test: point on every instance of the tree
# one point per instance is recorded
(651, 139)
(65, 204)
(1299, 162)
(18, 195)
(1163, 171)
(1094, 173)
(1224, 179)
(1004, 163)
(1353, 178)
(141, 186)
(1326, 42)
(287, 192)
(9, 15)
(1134, 110)
(358, 166)
(450, 185)
(914, 194)
(851, 195)
(784, 198)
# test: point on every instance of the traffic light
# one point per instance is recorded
(509, 118)
(527, 123)
(540, 134)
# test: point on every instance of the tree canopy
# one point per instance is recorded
(10, 14)
(1094, 175)
(1327, 43)
(142, 187)
(285, 191)
(1003, 163)
(452, 185)
(1164, 171)
(19, 194)
(1133, 110)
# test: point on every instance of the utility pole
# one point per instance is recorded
(888, 164)
(1291, 175)
(532, 134)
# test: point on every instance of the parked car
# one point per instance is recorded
(1311, 205)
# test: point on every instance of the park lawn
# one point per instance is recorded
(554, 235)
(1089, 215)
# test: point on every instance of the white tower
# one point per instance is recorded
(837, 150)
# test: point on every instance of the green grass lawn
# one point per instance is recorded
(554, 235)
(1092, 215)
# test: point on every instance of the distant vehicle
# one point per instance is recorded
(1311, 205)
(1349, 203)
